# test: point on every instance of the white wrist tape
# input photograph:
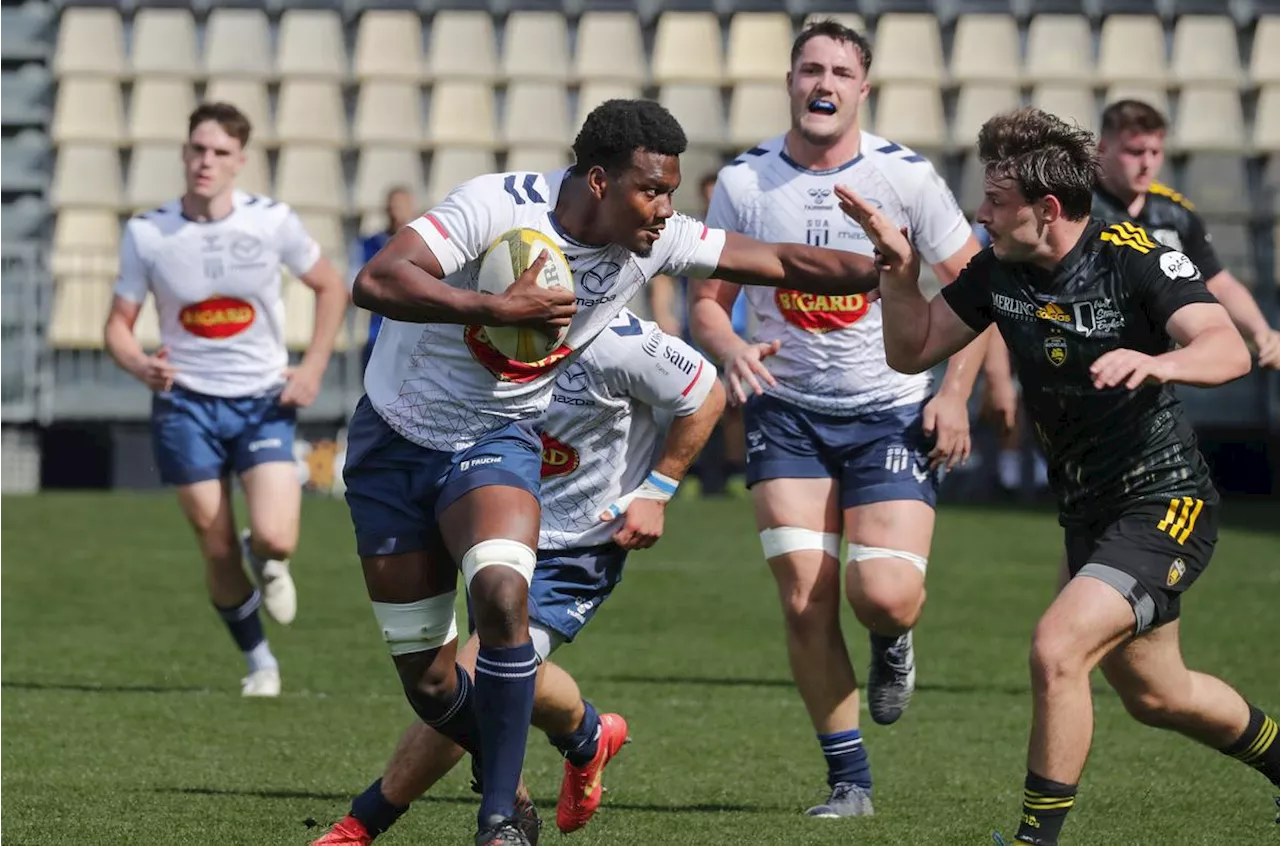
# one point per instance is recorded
(656, 487)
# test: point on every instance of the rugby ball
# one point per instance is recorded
(502, 264)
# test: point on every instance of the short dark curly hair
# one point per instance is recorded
(1044, 155)
(617, 128)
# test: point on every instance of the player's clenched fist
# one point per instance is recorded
(528, 304)
(156, 372)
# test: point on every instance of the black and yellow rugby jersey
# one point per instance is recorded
(1170, 218)
(1106, 449)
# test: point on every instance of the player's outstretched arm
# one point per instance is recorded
(1246, 315)
(331, 308)
(1210, 352)
(798, 267)
(404, 282)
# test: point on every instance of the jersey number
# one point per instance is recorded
(1180, 519)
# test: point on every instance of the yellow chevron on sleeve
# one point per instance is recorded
(1165, 191)
(1120, 236)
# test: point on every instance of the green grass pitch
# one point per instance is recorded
(122, 722)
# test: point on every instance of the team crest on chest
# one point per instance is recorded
(819, 313)
(1055, 349)
(558, 458)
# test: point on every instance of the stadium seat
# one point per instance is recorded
(25, 95)
(237, 42)
(1217, 184)
(451, 166)
(255, 176)
(88, 110)
(1059, 49)
(1069, 102)
(250, 97)
(90, 42)
(910, 113)
(757, 111)
(854, 22)
(908, 48)
(1269, 193)
(299, 313)
(695, 163)
(310, 177)
(1153, 95)
(1266, 128)
(986, 49)
(159, 109)
(389, 112)
(164, 43)
(972, 183)
(389, 46)
(80, 307)
(700, 110)
(24, 219)
(147, 328)
(463, 46)
(538, 159)
(976, 103)
(326, 229)
(381, 168)
(311, 45)
(1131, 48)
(462, 114)
(759, 47)
(687, 48)
(536, 46)
(86, 243)
(1204, 50)
(155, 176)
(26, 161)
(86, 175)
(593, 94)
(1232, 243)
(610, 48)
(26, 31)
(310, 111)
(1264, 63)
(537, 114)
(1209, 118)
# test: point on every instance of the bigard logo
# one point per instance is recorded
(558, 458)
(217, 317)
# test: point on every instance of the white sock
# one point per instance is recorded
(1009, 467)
(260, 658)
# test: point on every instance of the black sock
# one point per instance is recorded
(1045, 805)
(374, 811)
(1257, 747)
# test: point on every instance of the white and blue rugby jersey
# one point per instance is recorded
(832, 355)
(610, 410)
(443, 386)
(217, 289)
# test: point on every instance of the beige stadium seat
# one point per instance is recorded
(90, 42)
(538, 159)
(686, 48)
(910, 113)
(610, 48)
(1131, 48)
(159, 109)
(695, 163)
(977, 103)
(463, 46)
(389, 46)
(311, 44)
(310, 111)
(147, 329)
(88, 110)
(255, 176)
(1264, 64)
(854, 22)
(155, 176)
(1072, 103)
(86, 243)
(536, 46)
(451, 166)
(1266, 130)
(986, 49)
(462, 114)
(593, 94)
(757, 111)
(1154, 96)
(1059, 49)
(700, 110)
(250, 97)
(1204, 50)
(237, 42)
(326, 229)
(908, 48)
(537, 114)
(86, 175)
(164, 43)
(299, 313)
(759, 47)
(380, 168)
(310, 177)
(1209, 118)
(389, 112)
(80, 307)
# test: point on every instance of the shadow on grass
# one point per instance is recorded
(82, 687)
(922, 687)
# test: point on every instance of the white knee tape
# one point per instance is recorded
(858, 552)
(417, 626)
(499, 552)
(785, 539)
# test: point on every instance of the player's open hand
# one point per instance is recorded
(745, 370)
(946, 420)
(642, 523)
(1129, 368)
(528, 304)
(1268, 344)
(894, 253)
(301, 387)
(156, 372)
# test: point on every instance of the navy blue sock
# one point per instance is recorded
(504, 705)
(244, 622)
(579, 745)
(457, 720)
(846, 759)
(373, 810)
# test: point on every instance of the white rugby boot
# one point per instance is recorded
(279, 595)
